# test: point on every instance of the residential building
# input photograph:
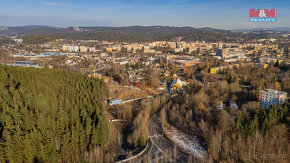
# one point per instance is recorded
(222, 52)
(64, 48)
(177, 84)
(220, 45)
(92, 49)
(76, 48)
(178, 50)
(149, 50)
(270, 97)
(234, 105)
(220, 106)
(83, 49)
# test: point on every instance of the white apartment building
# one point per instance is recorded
(271, 97)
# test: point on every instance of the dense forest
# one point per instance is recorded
(50, 115)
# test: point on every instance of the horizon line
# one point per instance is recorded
(141, 26)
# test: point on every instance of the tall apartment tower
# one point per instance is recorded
(220, 45)
(273, 97)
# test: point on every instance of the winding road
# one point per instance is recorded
(159, 145)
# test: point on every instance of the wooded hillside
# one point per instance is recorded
(50, 115)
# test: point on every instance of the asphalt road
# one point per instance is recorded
(160, 145)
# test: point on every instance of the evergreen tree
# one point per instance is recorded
(47, 115)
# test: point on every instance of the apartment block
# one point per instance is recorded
(272, 97)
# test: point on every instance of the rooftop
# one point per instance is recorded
(273, 91)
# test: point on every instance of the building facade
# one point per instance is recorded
(270, 97)
(222, 52)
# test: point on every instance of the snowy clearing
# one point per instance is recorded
(189, 144)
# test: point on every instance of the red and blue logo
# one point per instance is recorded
(263, 15)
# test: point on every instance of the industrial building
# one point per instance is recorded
(115, 102)
(25, 64)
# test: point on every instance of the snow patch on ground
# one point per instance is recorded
(189, 144)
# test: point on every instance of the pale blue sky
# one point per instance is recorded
(224, 14)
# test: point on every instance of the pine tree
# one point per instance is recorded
(46, 115)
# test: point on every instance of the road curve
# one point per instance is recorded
(160, 144)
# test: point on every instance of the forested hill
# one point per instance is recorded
(41, 34)
(49, 115)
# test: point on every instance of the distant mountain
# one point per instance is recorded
(280, 29)
(32, 29)
(35, 26)
(130, 34)
(214, 30)
(38, 29)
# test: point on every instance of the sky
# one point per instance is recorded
(221, 14)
